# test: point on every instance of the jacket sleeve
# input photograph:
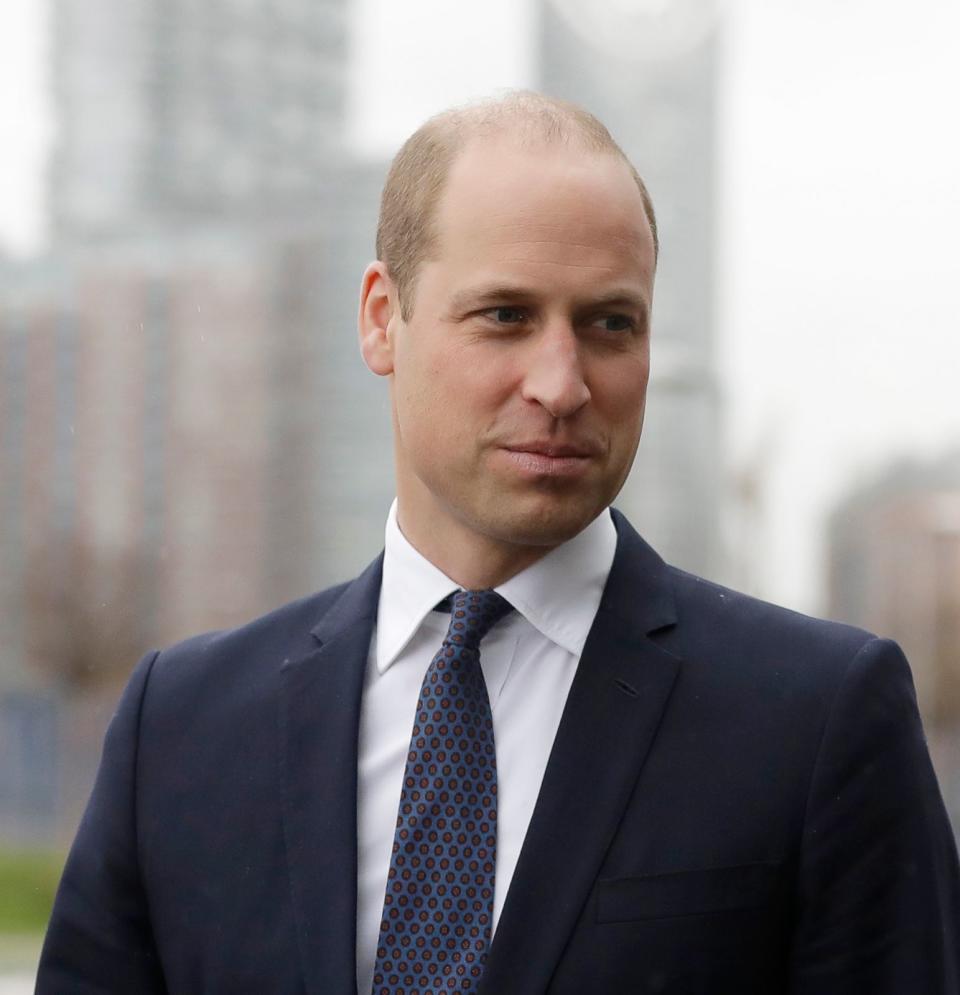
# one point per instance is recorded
(879, 886)
(99, 937)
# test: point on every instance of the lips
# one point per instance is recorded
(549, 459)
(553, 449)
(556, 452)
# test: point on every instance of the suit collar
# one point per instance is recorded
(356, 605)
(618, 697)
(639, 591)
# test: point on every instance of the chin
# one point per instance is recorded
(547, 525)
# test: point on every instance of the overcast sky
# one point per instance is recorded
(840, 212)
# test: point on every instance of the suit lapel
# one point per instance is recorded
(319, 723)
(611, 717)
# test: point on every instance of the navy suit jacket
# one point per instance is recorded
(739, 800)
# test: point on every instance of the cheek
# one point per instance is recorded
(464, 390)
(621, 392)
(418, 381)
(457, 398)
(437, 410)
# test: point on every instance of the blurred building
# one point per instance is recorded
(182, 402)
(140, 410)
(649, 72)
(229, 118)
(894, 556)
(352, 459)
(172, 112)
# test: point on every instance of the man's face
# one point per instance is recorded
(519, 380)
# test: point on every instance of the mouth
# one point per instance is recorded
(550, 459)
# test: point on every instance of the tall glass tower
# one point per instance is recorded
(171, 110)
(648, 70)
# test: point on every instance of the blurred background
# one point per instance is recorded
(188, 437)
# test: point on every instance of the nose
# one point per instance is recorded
(554, 377)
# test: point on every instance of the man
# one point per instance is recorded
(620, 778)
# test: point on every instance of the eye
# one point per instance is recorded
(616, 322)
(506, 315)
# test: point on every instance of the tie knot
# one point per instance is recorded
(473, 614)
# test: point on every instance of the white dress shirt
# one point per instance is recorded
(528, 660)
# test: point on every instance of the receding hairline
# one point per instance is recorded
(406, 232)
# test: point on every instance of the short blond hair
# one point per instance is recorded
(406, 231)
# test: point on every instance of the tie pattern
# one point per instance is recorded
(438, 906)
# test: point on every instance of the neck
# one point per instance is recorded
(475, 562)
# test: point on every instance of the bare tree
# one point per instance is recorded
(89, 610)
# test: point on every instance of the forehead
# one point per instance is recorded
(551, 199)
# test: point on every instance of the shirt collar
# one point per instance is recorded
(559, 594)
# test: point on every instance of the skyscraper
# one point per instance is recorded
(173, 111)
(649, 72)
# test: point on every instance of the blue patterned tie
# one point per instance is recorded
(438, 907)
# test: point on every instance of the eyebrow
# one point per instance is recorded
(478, 297)
(621, 299)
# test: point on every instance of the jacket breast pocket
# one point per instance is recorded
(686, 893)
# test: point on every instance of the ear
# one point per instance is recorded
(379, 309)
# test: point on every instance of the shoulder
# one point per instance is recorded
(708, 610)
(244, 661)
(289, 623)
(703, 617)
(766, 653)
(720, 630)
